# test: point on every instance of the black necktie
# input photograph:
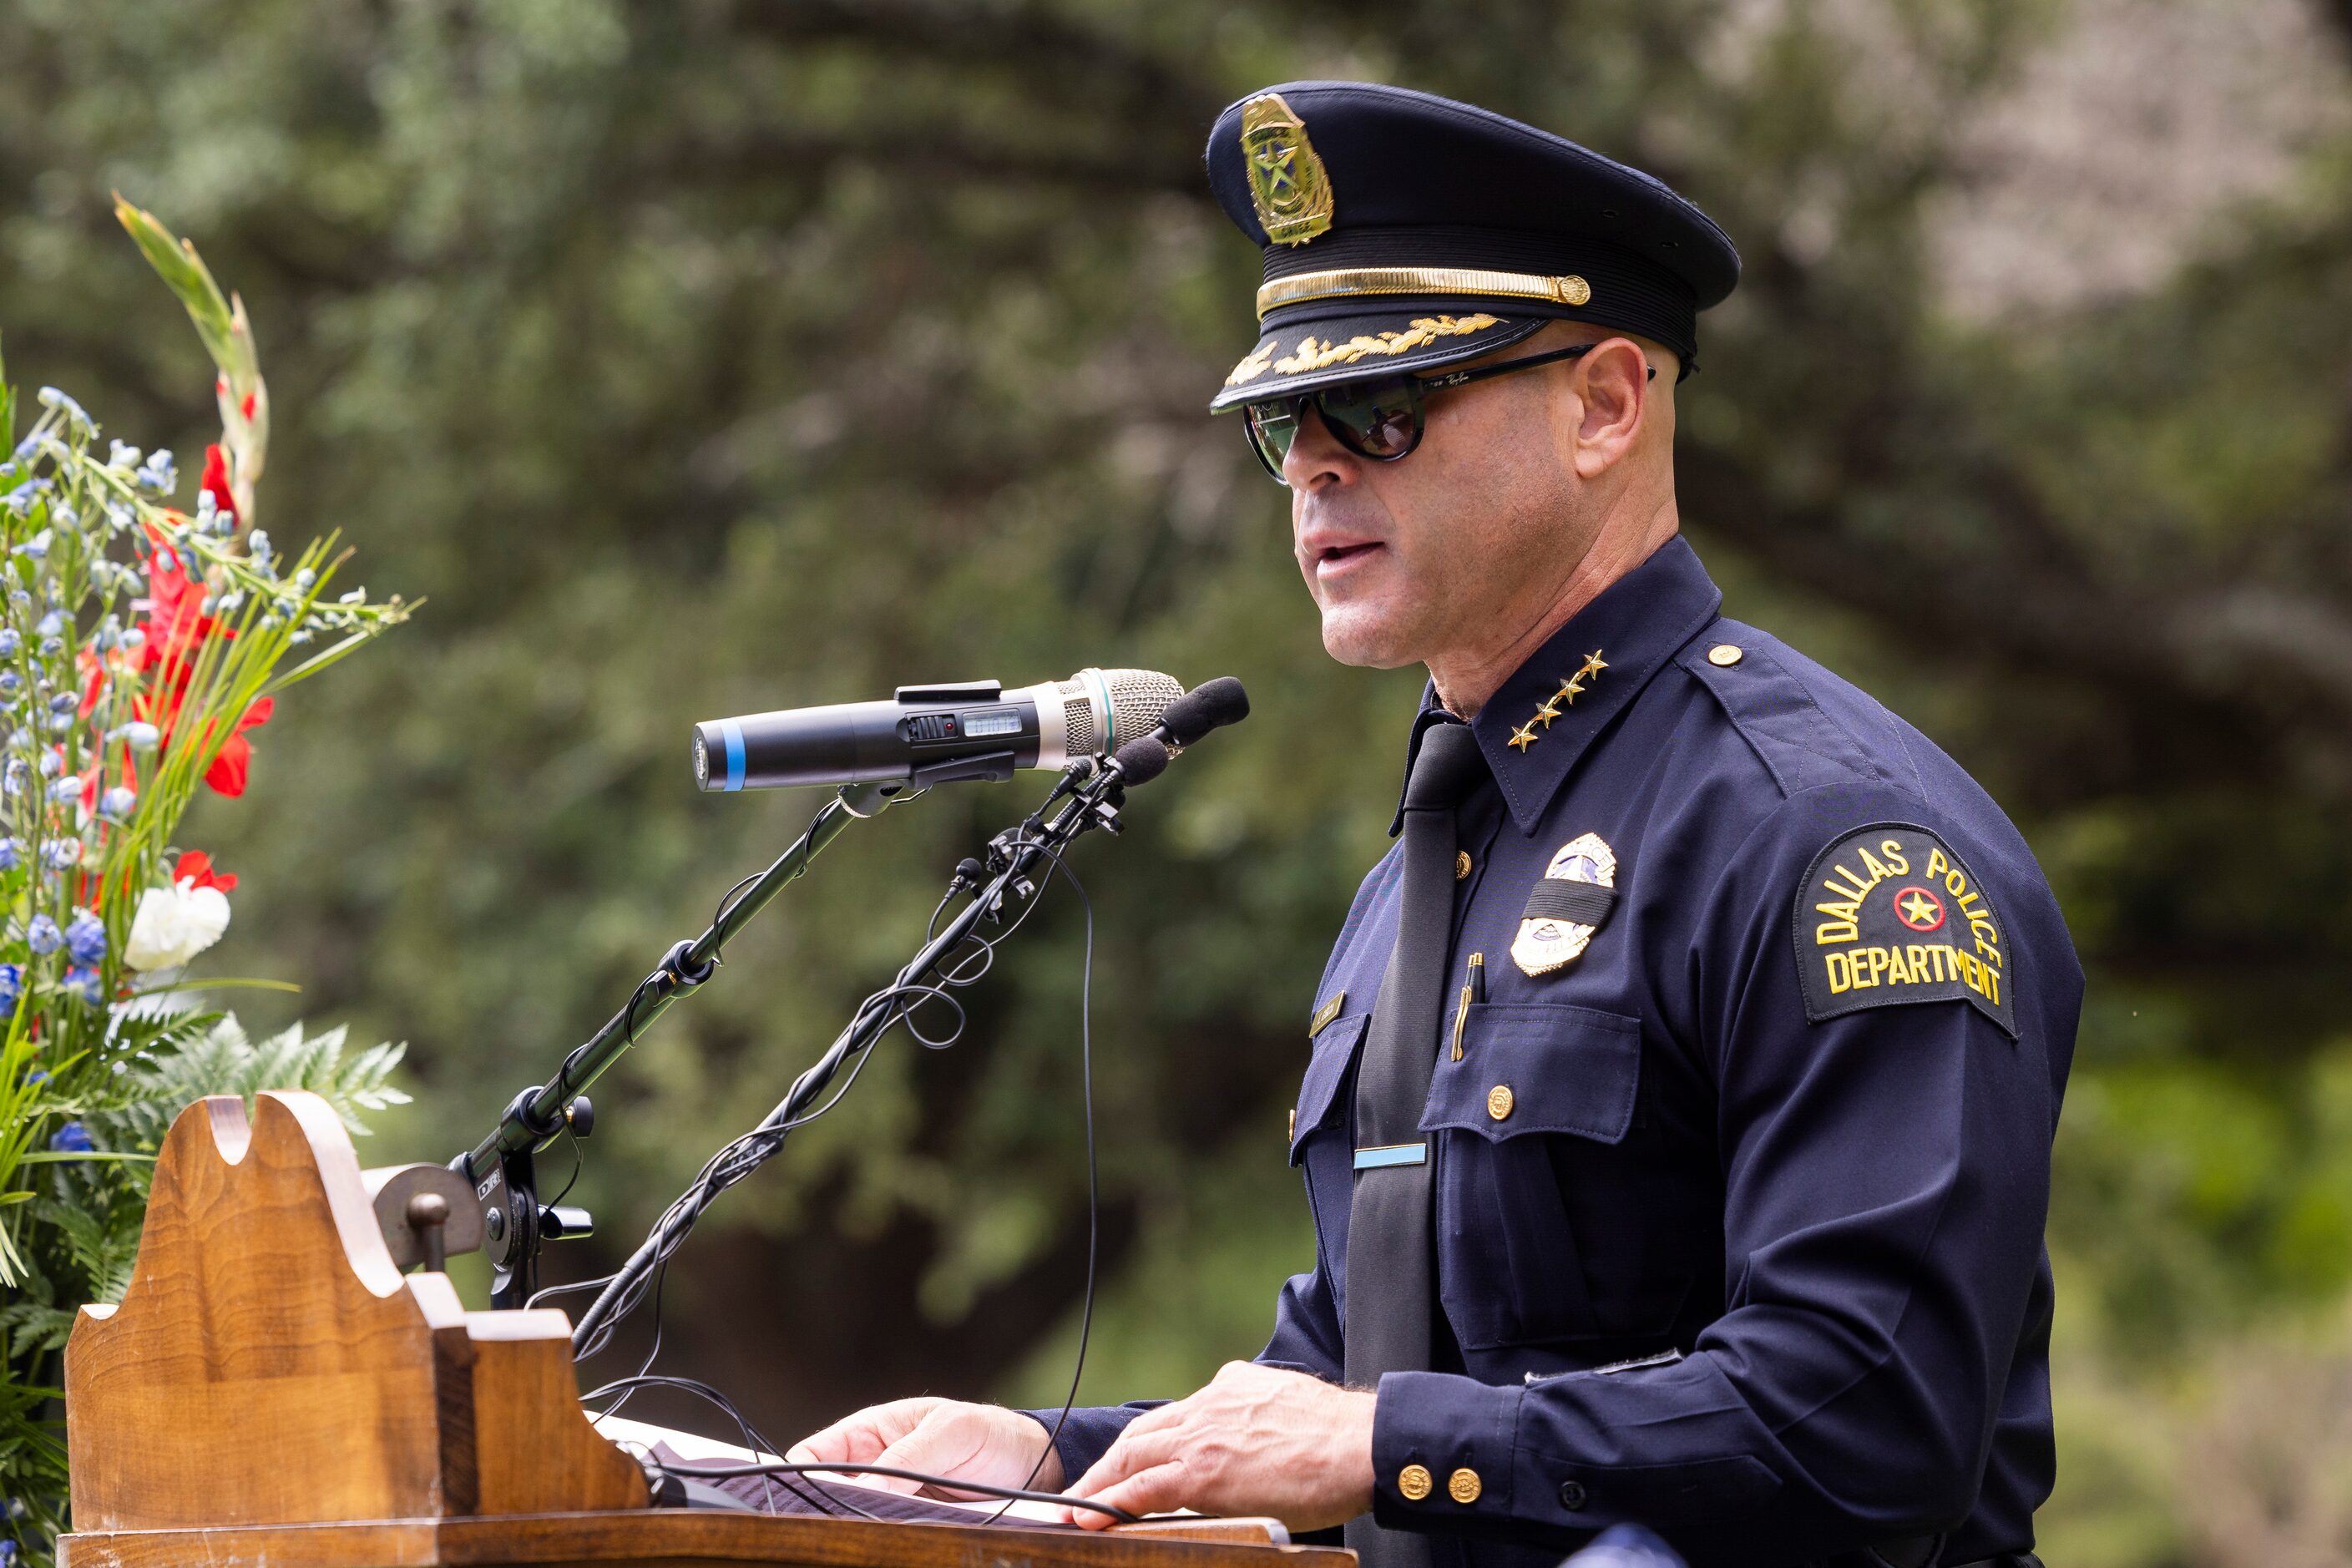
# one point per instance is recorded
(1391, 1277)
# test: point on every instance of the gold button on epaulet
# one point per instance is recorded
(1463, 1485)
(1499, 1102)
(1724, 654)
(1415, 1482)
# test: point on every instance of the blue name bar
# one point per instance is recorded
(1392, 1154)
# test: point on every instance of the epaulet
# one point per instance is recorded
(1773, 708)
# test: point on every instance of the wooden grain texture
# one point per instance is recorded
(269, 1365)
(668, 1539)
(266, 1364)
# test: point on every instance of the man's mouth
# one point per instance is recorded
(1336, 555)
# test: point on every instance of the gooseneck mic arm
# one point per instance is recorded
(499, 1167)
(1089, 796)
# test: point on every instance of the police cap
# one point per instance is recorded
(1404, 231)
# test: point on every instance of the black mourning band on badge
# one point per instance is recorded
(1889, 914)
(1556, 898)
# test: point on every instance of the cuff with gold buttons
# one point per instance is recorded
(1442, 1450)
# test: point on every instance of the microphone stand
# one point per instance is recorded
(1094, 792)
(501, 1167)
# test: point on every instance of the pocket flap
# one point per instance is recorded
(1538, 1067)
(1318, 1096)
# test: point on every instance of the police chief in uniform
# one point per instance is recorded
(1677, 1116)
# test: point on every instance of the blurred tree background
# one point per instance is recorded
(728, 355)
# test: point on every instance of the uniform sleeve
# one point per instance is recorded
(1887, 1180)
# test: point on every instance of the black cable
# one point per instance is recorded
(1094, 1198)
(949, 1483)
(753, 1438)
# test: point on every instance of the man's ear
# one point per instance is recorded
(1613, 385)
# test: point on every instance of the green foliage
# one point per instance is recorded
(699, 359)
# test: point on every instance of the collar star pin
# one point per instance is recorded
(1525, 735)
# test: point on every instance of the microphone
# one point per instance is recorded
(927, 735)
(1212, 705)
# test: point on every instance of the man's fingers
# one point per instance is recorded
(1130, 1456)
(858, 1437)
(941, 1444)
(1155, 1491)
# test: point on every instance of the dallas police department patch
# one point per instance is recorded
(1570, 902)
(1888, 915)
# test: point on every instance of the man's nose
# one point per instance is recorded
(1316, 458)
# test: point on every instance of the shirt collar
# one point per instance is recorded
(1632, 628)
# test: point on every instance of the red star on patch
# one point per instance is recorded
(1917, 908)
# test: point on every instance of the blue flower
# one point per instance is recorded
(51, 624)
(159, 474)
(143, 736)
(12, 985)
(69, 786)
(43, 935)
(84, 983)
(10, 681)
(122, 455)
(7, 1553)
(59, 853)
(9, 642)
(73, 1138)
(118, 802)
(85, 939)
(65, 702)
(12, 854)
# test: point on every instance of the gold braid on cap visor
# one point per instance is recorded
(1568, 291)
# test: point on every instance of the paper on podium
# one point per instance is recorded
(851, 1495)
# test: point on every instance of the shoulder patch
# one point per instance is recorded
(1886, 915)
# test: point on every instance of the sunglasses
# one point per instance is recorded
(1380, 419)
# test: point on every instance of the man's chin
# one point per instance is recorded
(1365, 641)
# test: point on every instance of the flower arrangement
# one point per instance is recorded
(140, 645)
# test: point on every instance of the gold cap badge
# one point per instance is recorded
(1287, 181)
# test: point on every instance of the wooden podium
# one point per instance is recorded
(274, 1393)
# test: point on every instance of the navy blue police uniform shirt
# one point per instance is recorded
(1740, 1209)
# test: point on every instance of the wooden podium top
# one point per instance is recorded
(673, 1536)
(273, 1393)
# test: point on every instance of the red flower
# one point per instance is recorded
(228, 773)
(215, 480)
(196, 868)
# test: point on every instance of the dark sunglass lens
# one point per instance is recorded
(1377, 419)
(1272, 428)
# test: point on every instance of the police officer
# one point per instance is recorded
(1678, 1117)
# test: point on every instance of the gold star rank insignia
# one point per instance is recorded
(1525, 735)
(1546, 713)
(1593, 664)
(1570, 690)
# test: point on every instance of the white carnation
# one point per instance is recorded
(173, 924)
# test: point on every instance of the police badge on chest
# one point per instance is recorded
(1567, 906)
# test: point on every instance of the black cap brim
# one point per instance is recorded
(1307, 352)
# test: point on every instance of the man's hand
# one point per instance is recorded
(1256, 1441)
(983, 1443)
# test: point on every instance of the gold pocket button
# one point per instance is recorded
(1463, 1485)
(1724, 655)
(1499, 1102)
(1415, 1482)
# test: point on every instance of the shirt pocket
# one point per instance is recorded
(1319, 1133)
(1510, 1271)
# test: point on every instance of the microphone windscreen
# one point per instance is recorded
(1103, 709)
(1212, 705)
(1141, 760)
